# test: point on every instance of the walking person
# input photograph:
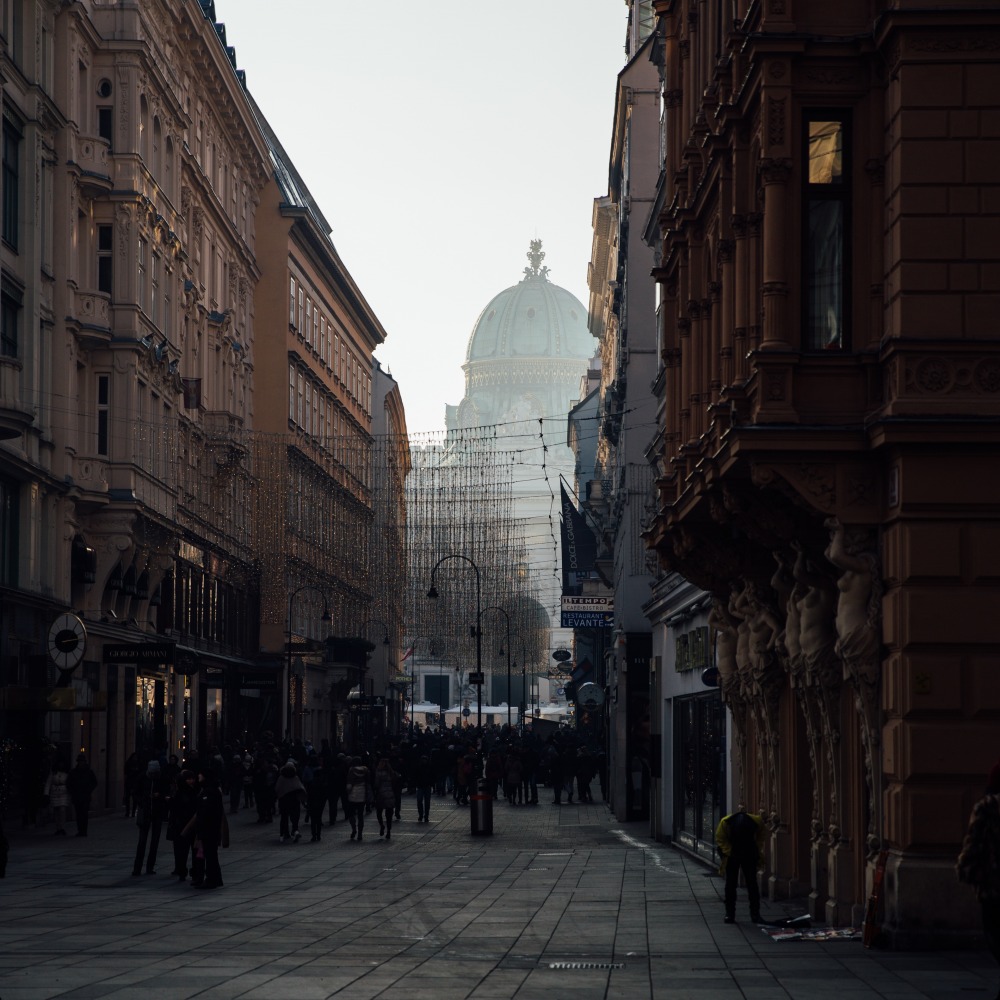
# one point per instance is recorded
(291, 793)
(359, 793)
(316, 792)
(58, 796)
(979, 863)
(80, 783)
(385, 796)
(739, 838)
(425, 778)
(152, 800)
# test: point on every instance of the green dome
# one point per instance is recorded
(532, 319)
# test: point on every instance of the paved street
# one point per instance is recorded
(560, 902)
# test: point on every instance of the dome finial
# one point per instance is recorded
(536, 255)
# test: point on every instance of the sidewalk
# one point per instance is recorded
(560, 902)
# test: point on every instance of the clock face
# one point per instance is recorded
(67, 641)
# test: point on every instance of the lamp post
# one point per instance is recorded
(506, 616)
(432, 593)
(325, 618)
(524, 679)
(369, 711)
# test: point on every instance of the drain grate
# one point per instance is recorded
(586, 965)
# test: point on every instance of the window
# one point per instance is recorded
(301, 310)
(10, 509)
(291, 303)
(307, 332)
(154, 289)
(11, 300)
(103, 415)
(141, 289)
(291, 393)
(105, 258)
(11, 182)
(826, 225)
(105, 125)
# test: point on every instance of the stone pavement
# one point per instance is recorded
(559, 902)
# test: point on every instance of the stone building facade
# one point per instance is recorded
(139, 493)
(828, 292)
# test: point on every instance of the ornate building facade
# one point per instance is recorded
(142, 501)
(827, 338)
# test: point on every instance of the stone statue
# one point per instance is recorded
(859, 604)
(725, 647)
(817, 609)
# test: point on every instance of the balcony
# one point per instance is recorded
(90, 478)
(91, 158)
(15, 415)
(90, 317)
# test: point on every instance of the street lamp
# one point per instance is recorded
(371, 620)
(494, 607)
(432, 593)
(325, 618)
(524, 688)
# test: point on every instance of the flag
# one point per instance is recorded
(407, 654)
(579, 547)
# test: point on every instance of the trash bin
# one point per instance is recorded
(481, 811)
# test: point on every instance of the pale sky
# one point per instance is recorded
(439, 138)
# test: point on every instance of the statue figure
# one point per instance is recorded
(784, 585)
(859, 604)
(817, 610)
(725, 647)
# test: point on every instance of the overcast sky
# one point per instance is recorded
(438, 139)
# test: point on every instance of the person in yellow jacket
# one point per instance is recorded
(739, 839)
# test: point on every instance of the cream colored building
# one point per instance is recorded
(134, 489)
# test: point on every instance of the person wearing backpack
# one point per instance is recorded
(739, 839)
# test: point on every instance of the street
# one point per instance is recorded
(559, 902)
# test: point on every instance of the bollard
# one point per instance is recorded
(481, 811)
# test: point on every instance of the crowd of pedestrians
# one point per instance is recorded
(294, 784)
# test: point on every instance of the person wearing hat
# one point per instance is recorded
(152, 801)
(80, 783)
(977, 864)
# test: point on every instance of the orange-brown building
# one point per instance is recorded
(829, 299)
(314, 385)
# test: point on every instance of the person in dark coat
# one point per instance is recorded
(80, 784)
(977, 864)
(183, 804)
(385, 796)
(210, 832)
(424, 780)
(739, 838)
(291, 793)
(316, 792)
(152, 802)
